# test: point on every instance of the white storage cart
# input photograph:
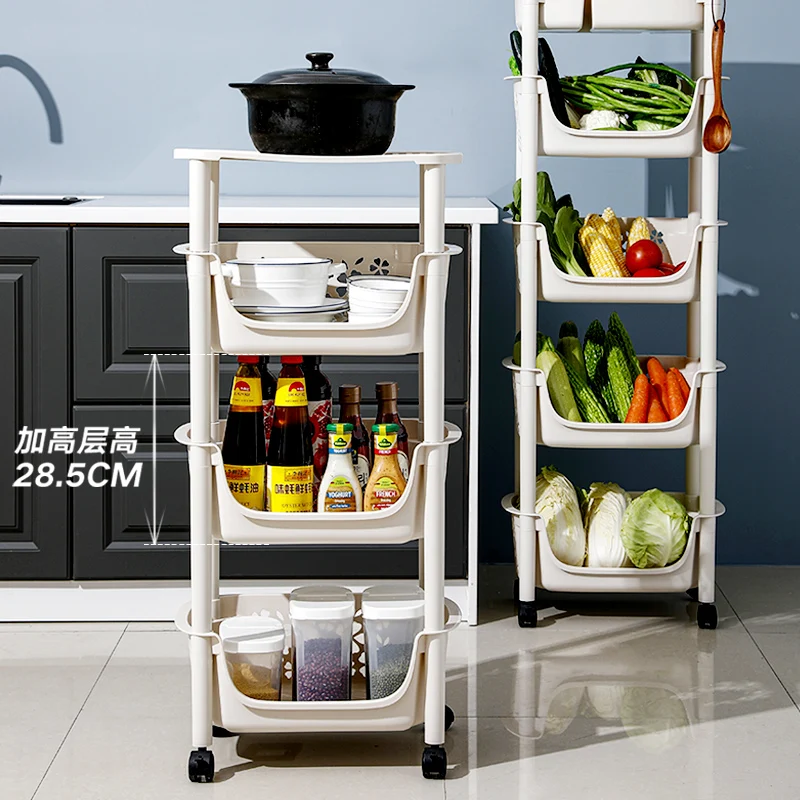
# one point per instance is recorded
(215, 327)
(695, 238)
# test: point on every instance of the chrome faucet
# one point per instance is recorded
(53, 117)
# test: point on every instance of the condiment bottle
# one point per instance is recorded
(386, 393)
(340, 489)
(290, 471)
(319, 412)
(360, 446)
(244, 448)
(387, 482)
(268, 387)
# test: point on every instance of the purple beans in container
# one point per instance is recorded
(322, 676)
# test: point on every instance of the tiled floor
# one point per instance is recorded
(601, 702)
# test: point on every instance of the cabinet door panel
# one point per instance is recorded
(111, 538)
(34, 530)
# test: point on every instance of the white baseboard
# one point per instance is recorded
(145, 601)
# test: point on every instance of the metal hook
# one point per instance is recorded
(724, 11)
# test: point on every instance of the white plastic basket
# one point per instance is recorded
(555, 139)
(402, 522)
(554, 576)
(555, 431)
(399, 334)
(556, 15)
(648, 15)
(242, 714)
(680, 238)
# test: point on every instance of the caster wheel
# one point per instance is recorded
(201, 766)
(707, 616)
(221, 733)
(527, 616)
(434, 762)
(693, 594)
(449, 718)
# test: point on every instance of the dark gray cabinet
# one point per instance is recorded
(34, 392)
(112, 539)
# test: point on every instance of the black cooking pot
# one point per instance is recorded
(321, 111)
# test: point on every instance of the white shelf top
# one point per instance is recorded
(254, 155)
(174, 210)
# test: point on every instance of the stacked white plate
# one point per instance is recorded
(376, 297)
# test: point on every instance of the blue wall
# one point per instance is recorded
(133, 81)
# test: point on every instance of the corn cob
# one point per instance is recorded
(640, 230)
(598, 252)
(613, 223)
(608, 232)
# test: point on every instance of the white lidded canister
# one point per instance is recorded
(253, 647)
(322, 628)
(393, 616)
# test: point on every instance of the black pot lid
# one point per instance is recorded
(320, 72)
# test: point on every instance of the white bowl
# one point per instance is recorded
(296, 282)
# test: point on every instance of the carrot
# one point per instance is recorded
(675, 399)
(658, 377)
(656, 411)
(637, 412)
(681, 382)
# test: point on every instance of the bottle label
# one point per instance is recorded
(269, 416)
(402, 461)
(339, 443)
(290, 489)
(361, 464)
(247, 484)
(291, 393)
(246, 392)
(319, 413)
(385, 444)
(340, 495)
(385, 493)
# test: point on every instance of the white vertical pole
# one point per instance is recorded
(213, 226)
(473, 409)
(527, 273)
(433, 431)
(199, 457)
(708, 337)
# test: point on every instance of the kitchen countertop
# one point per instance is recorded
(174, 210)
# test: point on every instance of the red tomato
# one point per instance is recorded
(668, 269)
(650, 272)
(679, 267)
(643, 255)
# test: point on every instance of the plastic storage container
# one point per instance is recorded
(649, 15)
(393, 616)
(322, 627)
(253, 648)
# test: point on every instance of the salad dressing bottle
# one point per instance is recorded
(340, 489)
(387, 482)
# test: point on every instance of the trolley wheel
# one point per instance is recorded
(693, 594)
(707, 616)
(527, 616)
(221, 733)
(201, 766)
(434, 762)
(449, 718)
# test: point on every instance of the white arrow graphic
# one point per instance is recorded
(152, 527)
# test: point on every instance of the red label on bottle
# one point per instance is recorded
(319, 412)
(269, 416)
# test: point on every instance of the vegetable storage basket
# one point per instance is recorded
(555, 431)
(392, 617)
(647, 15)
(556, 15)
(253, 648)
(680, 239)
(322, 629)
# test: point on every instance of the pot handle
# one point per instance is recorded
(320, 61)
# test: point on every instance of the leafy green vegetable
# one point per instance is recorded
(515, 206)
(512, 63)
(605, 508)
(546, 202)
(566, 227)
(650, 73)
(654, 530)
(557, 504)
(645, 124)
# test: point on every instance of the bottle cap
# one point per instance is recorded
(291, 359)
(340, 427)
(247, 359)
(386, 390)
(391, 427)
(349, 393)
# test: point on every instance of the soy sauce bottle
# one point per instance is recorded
(360, 445)
(290, 471)
(268, 387)
(319, 413)
(244, 448)
(386, 392)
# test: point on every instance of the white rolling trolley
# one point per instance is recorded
(696, 238)
(217, 327)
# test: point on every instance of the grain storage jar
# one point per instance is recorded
(393, 616)
(253, 648)
(322, 628)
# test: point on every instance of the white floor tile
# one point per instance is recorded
(782, 651)
(766, 599)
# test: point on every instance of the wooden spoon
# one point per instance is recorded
(717, 135)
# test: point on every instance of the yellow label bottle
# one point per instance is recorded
(386, 482)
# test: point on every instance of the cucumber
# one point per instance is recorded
(615, 325)
(591, 409)
(571, 351)
(619, 376)
(597, 367)
(568, 328)
(558, 385)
